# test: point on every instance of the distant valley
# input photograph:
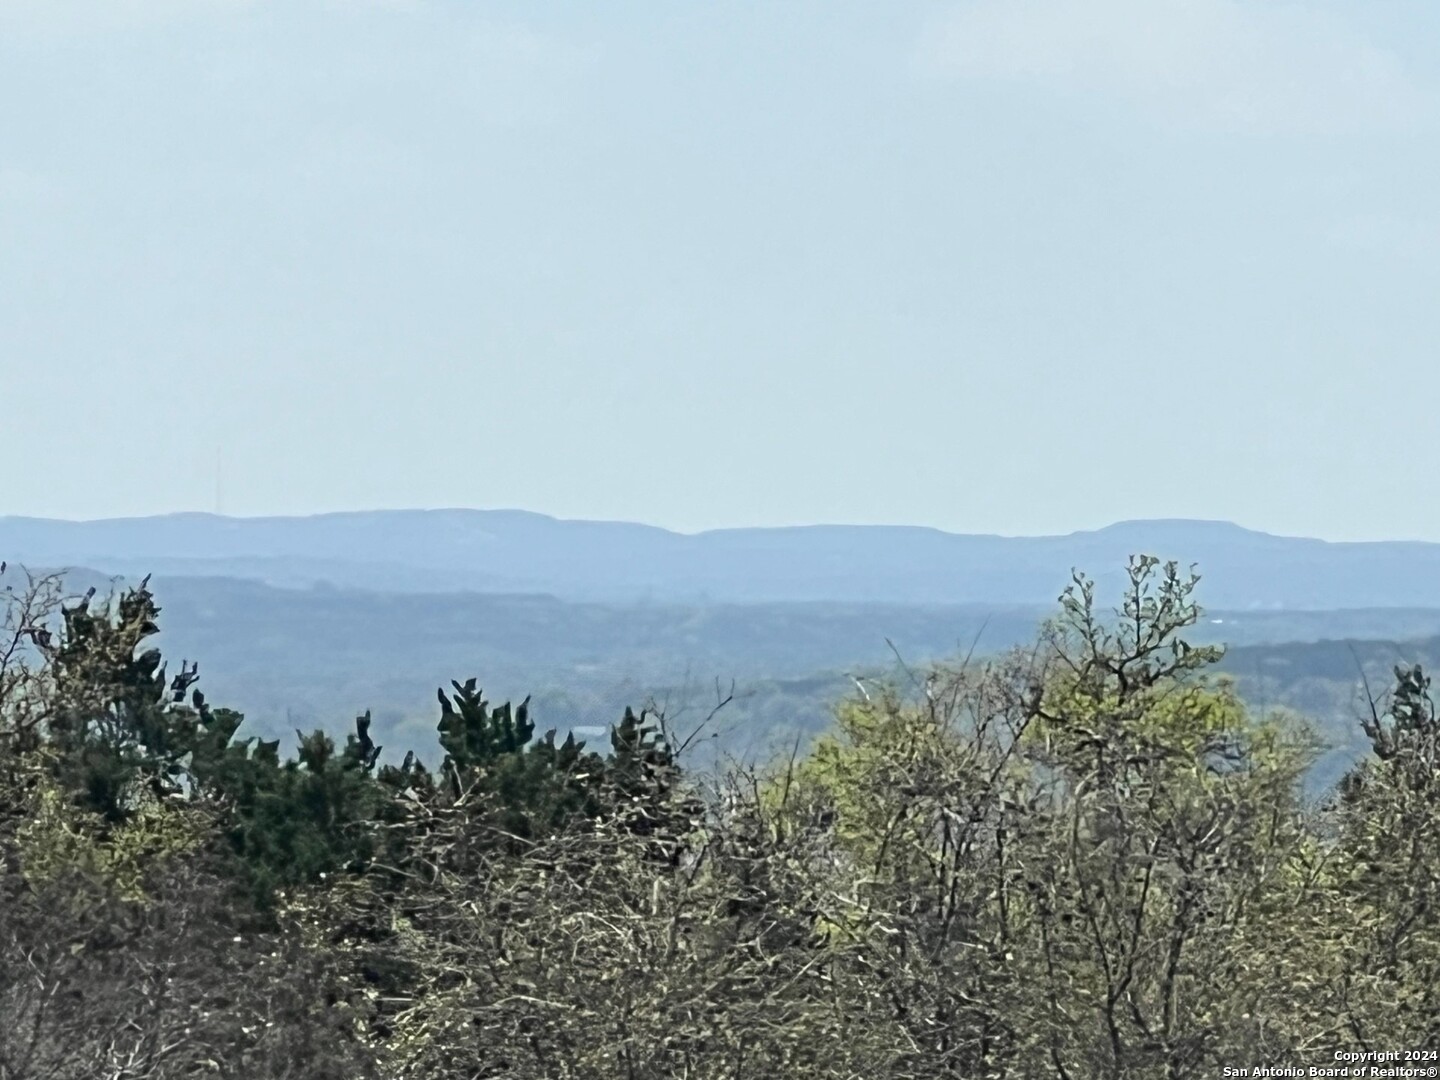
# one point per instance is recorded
(303, 658)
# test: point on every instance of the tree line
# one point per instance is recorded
(1085, 858)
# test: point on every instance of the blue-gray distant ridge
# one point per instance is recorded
(516, 551)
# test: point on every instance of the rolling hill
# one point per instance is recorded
(512, 551)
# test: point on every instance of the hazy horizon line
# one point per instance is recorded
(1124, 522)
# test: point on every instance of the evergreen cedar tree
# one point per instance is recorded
(118, 725)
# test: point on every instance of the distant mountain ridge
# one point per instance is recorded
(516, 551)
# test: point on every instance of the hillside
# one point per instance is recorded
(515, 551)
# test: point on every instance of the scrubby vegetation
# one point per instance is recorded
(1086, 858)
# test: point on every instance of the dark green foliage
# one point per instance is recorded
(114, 725)
(526, 786)
(642, 761)
(117, 729)
(288, 822)
(292, 822)
(471, 735)
(645, 787)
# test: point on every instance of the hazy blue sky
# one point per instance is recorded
(1018, 266)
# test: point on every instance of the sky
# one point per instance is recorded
(995, 266)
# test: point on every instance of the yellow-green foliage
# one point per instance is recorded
(1184, 719)
(877, 748)
(61, 840)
